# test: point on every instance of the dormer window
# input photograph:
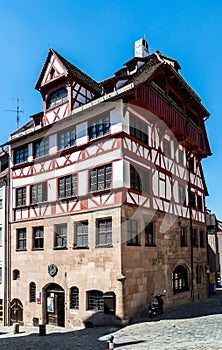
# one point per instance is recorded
(110, 89)
(132, 68)
(57, 98)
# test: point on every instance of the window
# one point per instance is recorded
(199, 203)
(180, 157)
(181, 194)
(20, 196)
(191, 165)
(21, 154)
(138, 129)
(21, 239)
(68, 186)
(202, 241)
(149, 234)
(81, 234)
(60, 232)
(32, 292)
(41, 147)
(74, 298)
(183, 237)
(132, 232)
(109, 299)
(166, 148)
(15, 274)
(99, 127)
(0, 236)
(139, 179)
(38, 193)
(38, 237)
(0, 275)
(192, 201)
(95, 300)
(195, 238)
(66, 138)
(100, 178)
(57, 98)
(104, 232)
(180, 279)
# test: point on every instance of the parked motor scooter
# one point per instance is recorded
(156, 309)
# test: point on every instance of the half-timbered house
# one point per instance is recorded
(108, 194)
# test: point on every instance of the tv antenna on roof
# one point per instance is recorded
(17, 111)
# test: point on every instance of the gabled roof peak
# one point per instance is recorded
(69, 69)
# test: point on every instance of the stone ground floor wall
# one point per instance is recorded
(133, 273)
(149, 270)
(95, 268)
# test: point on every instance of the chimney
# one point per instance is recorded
(141, 48)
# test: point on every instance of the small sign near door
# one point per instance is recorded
(50, 304)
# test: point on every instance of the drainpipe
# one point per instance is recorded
(191, 233)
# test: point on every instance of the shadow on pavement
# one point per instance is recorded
(84, 339)
(199, 308)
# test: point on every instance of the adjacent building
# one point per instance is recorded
(108, 194)
(4, 236)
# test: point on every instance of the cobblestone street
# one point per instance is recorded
(192, 326)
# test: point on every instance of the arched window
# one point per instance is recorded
(95, 300)
(57, 98)
(74, 298)
(32, 292)
(180, 279)
(16, 274)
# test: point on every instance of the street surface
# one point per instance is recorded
(194, 326)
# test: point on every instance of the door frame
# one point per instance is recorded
(54, 299)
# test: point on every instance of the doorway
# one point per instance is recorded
(55, 305)
(16, 311)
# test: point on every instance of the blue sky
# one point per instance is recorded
(98, 37)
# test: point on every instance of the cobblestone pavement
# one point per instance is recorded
(194, 326)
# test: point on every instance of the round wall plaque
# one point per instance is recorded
(52, 270)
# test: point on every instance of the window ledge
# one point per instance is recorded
(60, 248)
(21, 250)
(104, 246)
(79, 247)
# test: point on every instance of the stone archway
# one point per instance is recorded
(16, 311)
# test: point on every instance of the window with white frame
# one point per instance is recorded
(66, 138)
(104, 232)
(138, 129)
(99, 126)
(21, 196)
(132, 233)
(139, 179)
(182, 194)
(100, 178)
(41, 147)
(149, 234)
(39, 193)
(21, 154)
(21, 239)
(67, 186)
(57, 98)
(60, 236)
(38, 237)
(81, 234)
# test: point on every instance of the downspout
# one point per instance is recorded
(191, 232)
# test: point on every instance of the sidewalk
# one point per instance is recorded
(196, 325)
